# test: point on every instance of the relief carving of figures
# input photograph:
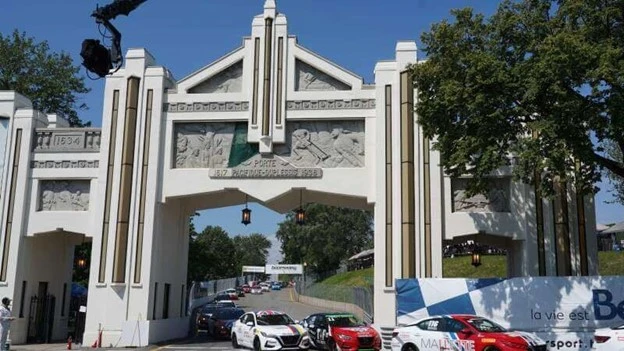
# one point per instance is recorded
(203, 145)
(64, 195)
(496, 200)
(324, 144)
(308, 78)
(229, 80)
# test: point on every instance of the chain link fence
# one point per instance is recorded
(361, 296)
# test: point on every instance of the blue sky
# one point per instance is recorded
(186, 35)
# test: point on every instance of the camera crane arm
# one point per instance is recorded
(97, 58)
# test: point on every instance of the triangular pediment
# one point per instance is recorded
(310, 78)
(312, 72)
(224, 75)
(229, 80)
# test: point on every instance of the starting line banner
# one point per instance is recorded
(283, 269)
(564, 311)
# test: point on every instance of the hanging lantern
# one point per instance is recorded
(300, 216)
(300, 213)
(476, 259)
(246, 216)
(81, 262)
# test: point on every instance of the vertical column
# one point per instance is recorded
(562, 231)
(143, 188)
(268, 50)
(279, 80)
(11, 204)
(256, 78)
(125, 191)
(408, 227)
(388, 188)
(109, 186)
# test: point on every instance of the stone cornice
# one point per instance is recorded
(227, 106)
(66, 164)
(355, 104)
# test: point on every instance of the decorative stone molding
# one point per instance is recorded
(496, 200)
(230, 106)
(67, 140)
(64, 195)
(355, 104)
(66, 164)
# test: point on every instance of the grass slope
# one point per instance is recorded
(609, 263)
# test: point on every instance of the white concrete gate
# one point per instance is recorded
(269, 122)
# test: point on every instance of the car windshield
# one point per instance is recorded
(274, 319)
(228, 313)
(209, 309)
(485, 325)
(344, 320)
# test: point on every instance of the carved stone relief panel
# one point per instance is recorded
(64, 195)
(203, 145)
(496, 200)
(230, 80)
(326, 144)
(308, 78)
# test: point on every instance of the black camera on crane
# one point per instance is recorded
(98, 58)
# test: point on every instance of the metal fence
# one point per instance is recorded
(357, 295)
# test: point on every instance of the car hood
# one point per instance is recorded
(355, 331)
(291, 329)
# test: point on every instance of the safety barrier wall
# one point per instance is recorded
(564, 311)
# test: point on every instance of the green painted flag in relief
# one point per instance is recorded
(241, 149)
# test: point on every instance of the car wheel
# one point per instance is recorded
(332, 346)
(234, 342)
(256, 345)
(409, 347)
(490, 348)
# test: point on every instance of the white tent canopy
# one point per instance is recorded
(616, 228)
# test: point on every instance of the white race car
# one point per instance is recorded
(269, 330)
(609, 339)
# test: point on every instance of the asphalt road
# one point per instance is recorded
(274, 300)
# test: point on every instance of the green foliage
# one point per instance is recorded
(330, 235)
(213, 254)
(360, 277)
(609, 263)
(251, 250)
(49, 80)
(616, 182)
(538, 80)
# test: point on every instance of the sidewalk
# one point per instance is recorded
(59, 347)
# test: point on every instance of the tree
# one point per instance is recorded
(213, 253)
(329, 236)
(615, 152)
(540, 80)
(251, 250)
(49, 80)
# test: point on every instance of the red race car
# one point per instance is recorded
(462, 332)
(340, 331)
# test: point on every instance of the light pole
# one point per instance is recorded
(305, 264)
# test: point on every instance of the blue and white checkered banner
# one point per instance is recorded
(545, 305)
